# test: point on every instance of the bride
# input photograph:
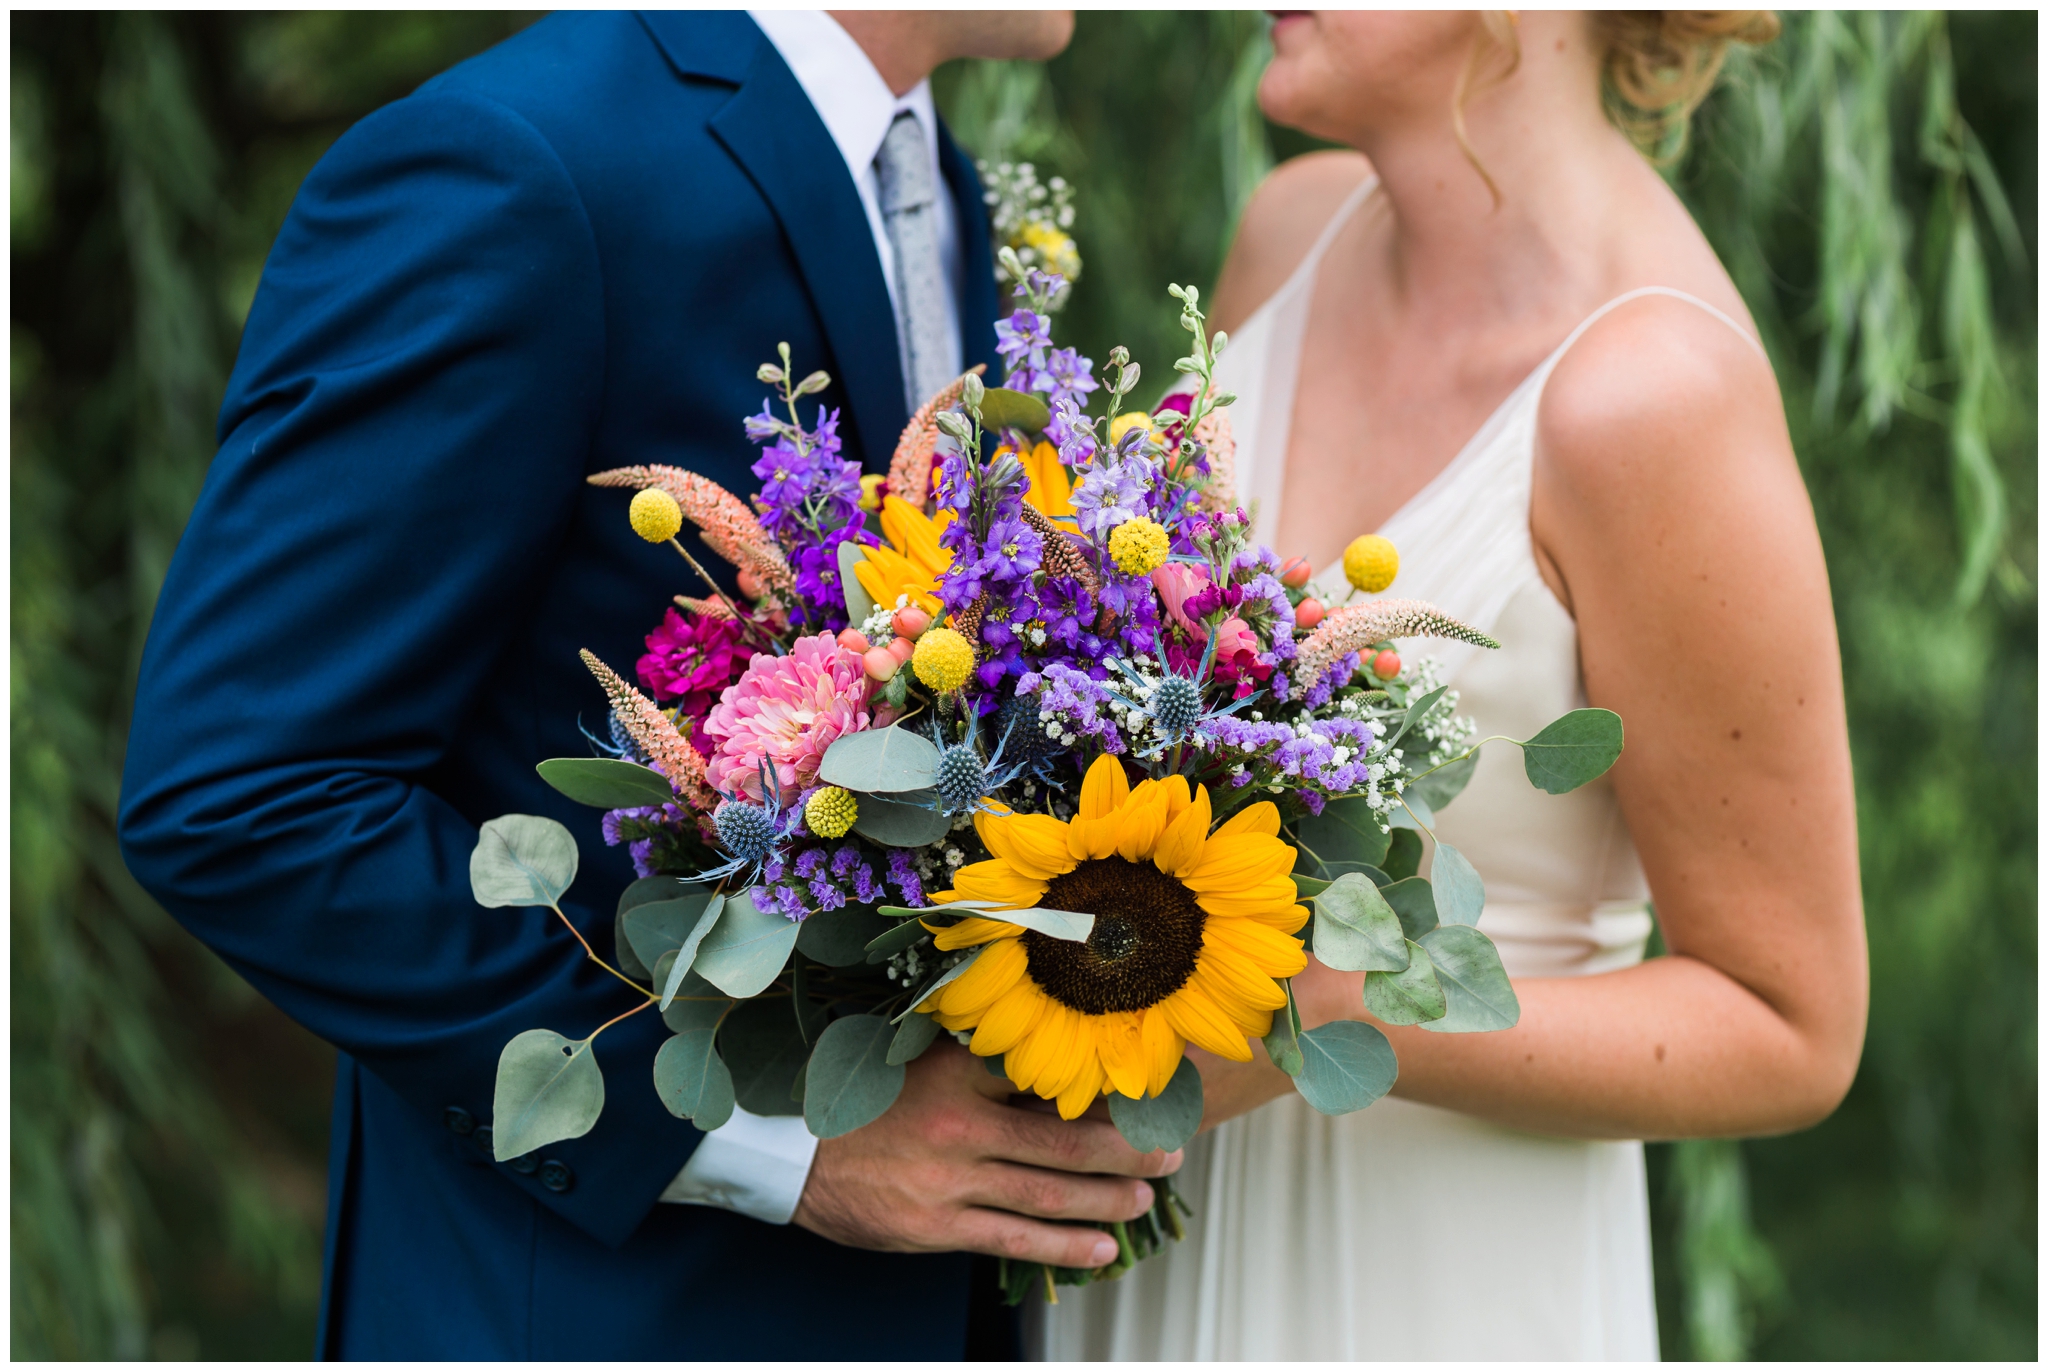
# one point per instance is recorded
(1493, 334)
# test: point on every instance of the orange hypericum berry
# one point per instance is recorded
(1386, 664)
(1309, 613)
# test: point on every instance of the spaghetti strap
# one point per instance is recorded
(1636, 294)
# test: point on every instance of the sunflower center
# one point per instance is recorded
(1147, 932)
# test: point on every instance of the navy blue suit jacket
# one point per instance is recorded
(568, 254)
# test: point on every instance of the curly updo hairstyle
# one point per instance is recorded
(1656, 66)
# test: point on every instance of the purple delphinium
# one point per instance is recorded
(1116, 489)
(810, 501)
(1022, 341)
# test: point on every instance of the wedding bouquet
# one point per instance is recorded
(1026, 743)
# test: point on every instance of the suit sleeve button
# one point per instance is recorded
(482, 1137)
(556, 1176)
(458, 1120)
(525, 1163)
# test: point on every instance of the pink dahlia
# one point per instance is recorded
(786, 711)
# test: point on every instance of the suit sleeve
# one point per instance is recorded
(402, 446)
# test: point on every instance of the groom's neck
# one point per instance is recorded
(906, 46)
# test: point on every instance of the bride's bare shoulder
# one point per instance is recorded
(1279, 225)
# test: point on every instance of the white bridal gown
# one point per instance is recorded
(1405, 1231)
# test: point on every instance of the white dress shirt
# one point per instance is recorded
(753, 1164)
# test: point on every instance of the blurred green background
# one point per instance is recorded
(1870, 181)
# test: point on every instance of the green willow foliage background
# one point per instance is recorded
(1870, 182)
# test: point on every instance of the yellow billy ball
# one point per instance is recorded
(656, 516)
(1137, 546)
(1370, 563)
(1124, 423)
(831, 811)
(944, 659)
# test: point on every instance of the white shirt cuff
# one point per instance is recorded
(754, 1165)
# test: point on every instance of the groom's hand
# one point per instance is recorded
(954, 1167)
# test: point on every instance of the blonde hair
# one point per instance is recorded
(1656, 66)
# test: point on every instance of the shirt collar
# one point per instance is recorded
(854, 103)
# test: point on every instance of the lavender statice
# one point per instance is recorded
(1074, 708)
(903, 876)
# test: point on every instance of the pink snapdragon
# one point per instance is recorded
(786, 711)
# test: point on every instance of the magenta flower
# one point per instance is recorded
(786, 711)
(691, 660)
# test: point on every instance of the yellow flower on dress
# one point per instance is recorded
(1191, 932)
(913, 561)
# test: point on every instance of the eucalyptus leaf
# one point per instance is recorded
(810, 1016)
(609, 783)
(840, 938)
(1002, 408)
(1443, 785)
(1414, 904)
(849, 1080)
(1348, 830)
(1413, 715)
(957, 970)
(1356, 930)
(913, 1036)
(521, 860)
(697, 1005)
(1406, 997)
(1572, 750)
(1411, 813)
(1165, 1122)
(548, 1089)
(892, 760)
(693, 1081)
(884, 946)
(759, 1042)
(686, 952)
(1404, 854)
(663, 926)
(859, 604)
(1371, 873)
(905, 820)
(1345, 1066)
(1477, 994)
(747, 948)
(1308, 887)
(1460, 895)
(1066, 925)
(646, 891)
(1283, 1044)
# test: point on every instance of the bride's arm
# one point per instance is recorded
(1672, 521)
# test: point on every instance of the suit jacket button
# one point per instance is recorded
(556, 1176)
(482, 1137)
(458, 1120)
(525, 1163)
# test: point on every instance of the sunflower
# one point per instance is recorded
(913, 561)
(1048, 490)
(1191, 930)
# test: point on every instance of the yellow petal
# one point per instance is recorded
(1235, 983)
(1139, 822)
(1092, 838)
(1164, 1048)
(1235, 861)
(1121, 1040)
(1075, 1048)
(1028, 1061)
(1050, 491)
(1262, 818)
(1271, 902)
(998, 881)
(1104, 789)
(1185, 837)
(1080, 1093)
(1004, 1024)
(996, 969)
(1197, 1019)
(971, 931)
(1034, 845)
(1270, 951)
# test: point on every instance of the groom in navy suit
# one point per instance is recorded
(568, 254)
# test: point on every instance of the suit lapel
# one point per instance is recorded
(771, 130)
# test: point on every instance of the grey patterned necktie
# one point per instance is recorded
(903, 170)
